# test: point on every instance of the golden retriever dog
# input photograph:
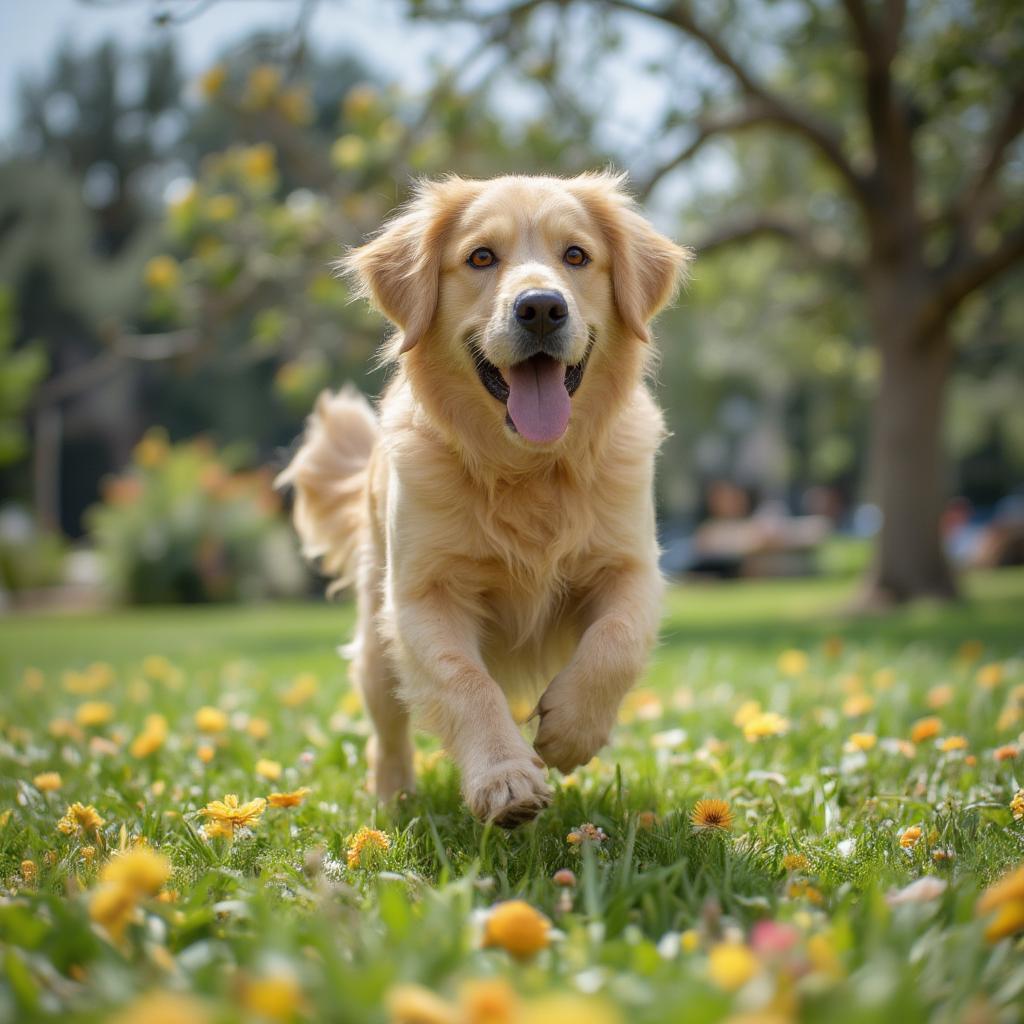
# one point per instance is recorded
(496, 513)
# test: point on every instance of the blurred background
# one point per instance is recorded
(843, 377)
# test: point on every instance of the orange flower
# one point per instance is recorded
(227, 815)
(711, 815)
(926, 728)
(292, 799)
(367, 841)
(910, 837)
(518, 929)
(1009, 752)
(47, 782)
(80, 819)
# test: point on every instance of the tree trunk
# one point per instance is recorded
(908, 470)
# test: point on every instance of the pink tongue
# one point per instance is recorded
(538, 402)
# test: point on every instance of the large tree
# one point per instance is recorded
(914, 110)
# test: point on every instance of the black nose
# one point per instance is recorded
(541, 312)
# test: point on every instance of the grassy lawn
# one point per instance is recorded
(807, 725)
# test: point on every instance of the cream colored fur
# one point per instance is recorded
(486, 567)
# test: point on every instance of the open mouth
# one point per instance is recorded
(536, 393)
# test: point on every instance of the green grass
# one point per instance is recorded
(281, 905)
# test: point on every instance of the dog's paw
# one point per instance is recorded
(509, 793)
(569, 734)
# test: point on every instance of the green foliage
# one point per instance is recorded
(182, 525)
(21, 370)
(280, 903)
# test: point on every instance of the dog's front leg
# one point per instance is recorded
(445, 680)
(579, 707)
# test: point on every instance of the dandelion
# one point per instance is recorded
(88, 854)
(910, 837)
(1006, 899)
(302, 689)
(227, 816)
(711, 816)
(366, 842)
(488, 1001)
(293, 799)
(94, 713)
(821, 951)
(262, 86)
(746, 712)
(795, 862)
(210, 719)
(765, 724)
(125, 880)
(517, 928)
(47, 782)
(731, 965)
(80, 820)
(258, 728)
(863, 741)
(152, 737)
(792, 663)
(803, 890)
(925, 729)
(29, 872)
(568, 1008)
(269, 770)
(989, 676)
(414, 1004)
(952, 743)
(1008, 752)
(348, 151)
(163, 1008)
(689, 941)
(205, 753)
(586, 833)
(1017, 805)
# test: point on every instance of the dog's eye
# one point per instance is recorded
(482, 257)
(575, 256)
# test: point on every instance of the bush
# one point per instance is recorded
(182, 525)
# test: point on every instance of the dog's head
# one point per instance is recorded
(521, 292)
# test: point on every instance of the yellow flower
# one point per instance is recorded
(862, 741)
(689, 941)
(731, 965)
(1006, 898)
(884, 679)
(414, 1004)
(953, 743)
(262, 86)
(227, 815)
(276, 996)
(258, 162)
(112, 907)
(711, 815)
(139, 869)
(821, 951)
(162, 273)
(296, 105)
(1017, 805)
(211, 719)
(488, 1001)
(833, 646)
(767, 723)
(910, 837)
(94, 713)
(163, 1008)
(925, 729)
(221, 207)
(29, 872)
(152, 737)
(88, 854)
(746, 712)
(159, 668)
(568, 1008)
(369, 841)
(292, 799)
(153, 449)
(858, 704)
(989, 676)
(79, 820)
(803, 890)
(47, 782)
(258, 728)
(269, 770)
(212, 81)
(205, 753)
(303, 687)
(792, 663)
(518, 929)
(795, 862)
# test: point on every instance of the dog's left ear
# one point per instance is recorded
(398, 271)
(647, 267)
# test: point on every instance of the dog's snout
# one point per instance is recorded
(541, 312)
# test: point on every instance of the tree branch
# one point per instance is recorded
(782, 111)
(964, 277)
(777, 225)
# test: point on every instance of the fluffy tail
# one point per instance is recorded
(329, 476)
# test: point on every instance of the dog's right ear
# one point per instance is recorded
(398, 271)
